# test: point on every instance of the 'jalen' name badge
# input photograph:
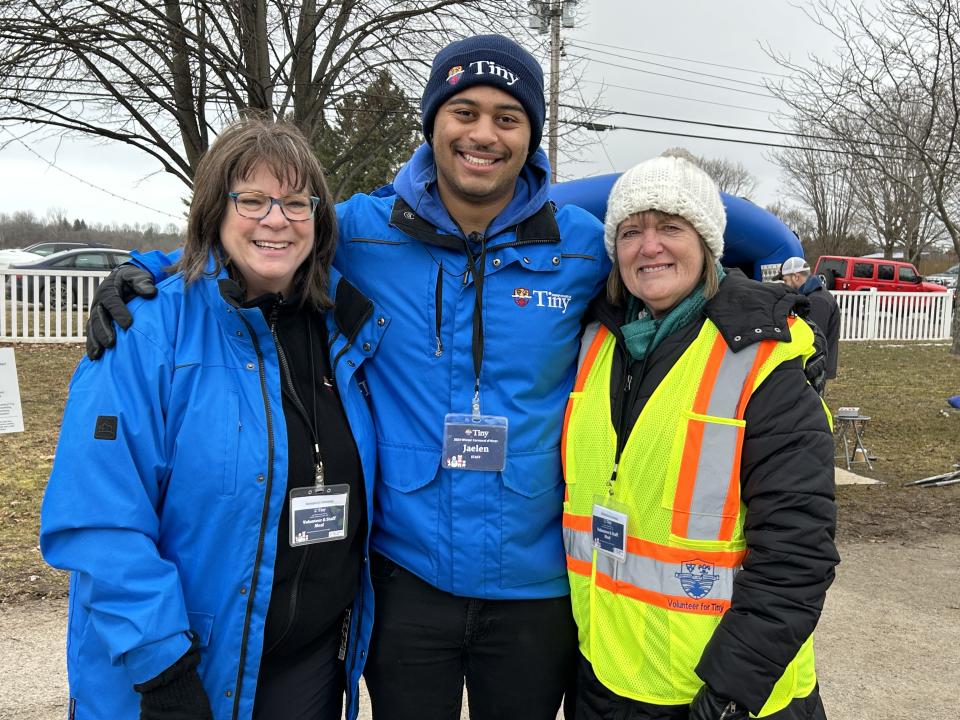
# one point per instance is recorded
(318, 514)
(610, 531)
(474, 442)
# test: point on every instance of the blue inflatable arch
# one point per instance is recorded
(755, 240)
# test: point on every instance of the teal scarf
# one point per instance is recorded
(644, 333)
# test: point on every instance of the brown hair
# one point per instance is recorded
(242, 148)
(618, 294)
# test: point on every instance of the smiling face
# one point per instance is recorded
(481, 138)
(661, 259)
(266, 252)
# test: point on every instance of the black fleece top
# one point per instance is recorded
(312, 584)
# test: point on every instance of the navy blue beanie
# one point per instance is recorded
(486, 60)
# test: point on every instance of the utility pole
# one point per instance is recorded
(547, 15)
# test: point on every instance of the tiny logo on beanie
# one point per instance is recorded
(456, 72)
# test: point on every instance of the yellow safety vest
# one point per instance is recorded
(643, 622)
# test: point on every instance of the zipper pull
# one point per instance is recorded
(629, 382)
(439, 351)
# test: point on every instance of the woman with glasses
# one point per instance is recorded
(213, 481)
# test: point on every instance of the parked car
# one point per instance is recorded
(16, 256)
(105, 258)
(859, 273)
(948, 278)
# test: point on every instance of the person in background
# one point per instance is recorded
(484, 285)
(824, 311)
(699, 513)
(213, 482)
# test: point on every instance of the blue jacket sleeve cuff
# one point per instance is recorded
(146, 662)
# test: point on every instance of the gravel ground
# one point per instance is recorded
(886, 645)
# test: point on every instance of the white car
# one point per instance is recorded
(14, 256)
(948, 278)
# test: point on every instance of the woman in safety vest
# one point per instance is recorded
(699, 514)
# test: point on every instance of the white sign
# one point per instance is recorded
(11, 412)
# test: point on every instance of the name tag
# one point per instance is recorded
(474, 442)
(610, 531)
(318, 514)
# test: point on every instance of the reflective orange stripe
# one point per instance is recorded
(582, 374)
(636, 546)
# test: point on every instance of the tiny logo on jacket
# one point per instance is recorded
(521, 296)
(454, 75)
(696, 578)
(542, 298)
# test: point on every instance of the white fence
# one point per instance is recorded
(44, 306)
(872, 315)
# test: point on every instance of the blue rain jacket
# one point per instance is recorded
(490, 535)
(167, 488)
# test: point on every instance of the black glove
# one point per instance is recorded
(816, 367)
(110, 300)
(177, 693)
(708, 706)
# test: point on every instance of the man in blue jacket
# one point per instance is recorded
(484, 284)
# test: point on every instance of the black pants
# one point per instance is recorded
(597, 702)
(305, 685)
(517, 656)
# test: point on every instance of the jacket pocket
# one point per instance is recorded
(531, 507)
(407, 468)
(202, 626)
(231, 442)
(703, 491)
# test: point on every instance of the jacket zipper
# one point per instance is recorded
(318, 469)
(438, 299)
(251, 594)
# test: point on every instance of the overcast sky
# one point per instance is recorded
(622, 39)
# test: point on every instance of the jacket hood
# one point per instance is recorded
(811, 285)
(416, 183)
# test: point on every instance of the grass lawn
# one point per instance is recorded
(902, 388)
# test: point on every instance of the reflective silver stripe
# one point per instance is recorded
(718, 450)
(713, 480)
(692, 578)
(586, 340)
(734, 369)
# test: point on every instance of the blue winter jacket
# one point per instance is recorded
(167, 488)
(490, 535)
(477, 534)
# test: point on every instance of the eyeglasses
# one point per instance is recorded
(256, 206)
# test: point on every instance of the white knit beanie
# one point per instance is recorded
(671, 185)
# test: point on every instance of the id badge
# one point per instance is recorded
(318, 514)
(474, 442)
(609, 530)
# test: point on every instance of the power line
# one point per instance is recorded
(673, 67)
(604, 126)
(745, 128)
(683, 59)
(86, 182)
(671, 77)
(677, 97)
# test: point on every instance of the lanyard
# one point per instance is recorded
(476, 268)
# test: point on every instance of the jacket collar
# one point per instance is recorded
(541, 227)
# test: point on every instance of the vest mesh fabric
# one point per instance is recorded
(644, 644)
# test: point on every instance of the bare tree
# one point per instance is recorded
(895, 78)
(731, 176)
(163, 76)
(822, 182)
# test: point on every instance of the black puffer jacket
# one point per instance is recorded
(787, 484)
